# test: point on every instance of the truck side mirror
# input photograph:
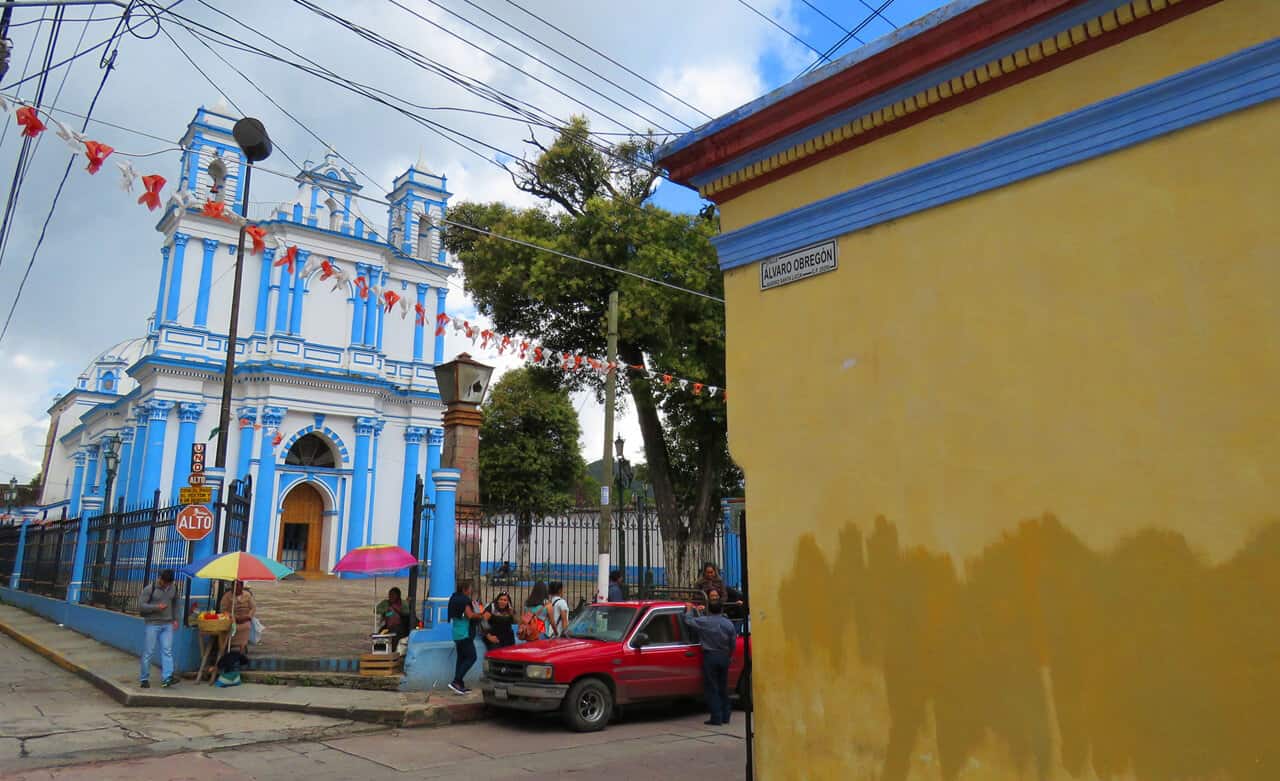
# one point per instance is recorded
(640, 640)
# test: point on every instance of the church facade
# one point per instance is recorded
(335, 411)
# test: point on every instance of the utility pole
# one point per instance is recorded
(606, 509)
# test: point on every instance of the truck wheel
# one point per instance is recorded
(743, 690)
(588, 706)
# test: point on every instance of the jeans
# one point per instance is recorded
(715, 682)
(162, 633)
(466, 658)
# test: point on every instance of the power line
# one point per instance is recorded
(826, 56)
(775, 23)
(586, 68)
(877, 12)
(596, 51)
(823, 14)
(518, 69)
(26, 66)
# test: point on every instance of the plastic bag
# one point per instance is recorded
(255, 631)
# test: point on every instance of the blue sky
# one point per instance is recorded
(776, 67)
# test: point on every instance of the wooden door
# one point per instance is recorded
(301, 526)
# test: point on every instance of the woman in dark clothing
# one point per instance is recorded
(499, 623)
(394, 616)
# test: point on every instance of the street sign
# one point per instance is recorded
(197, 459)
(194, 522)
(801, 264)
(195, 480)
(201, 494)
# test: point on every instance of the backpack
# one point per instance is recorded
(531, 627)
(556, 602)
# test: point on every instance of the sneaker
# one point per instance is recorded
(144, 685)
(711, 723)
(167, 682)
(467, 689)
(458, 690)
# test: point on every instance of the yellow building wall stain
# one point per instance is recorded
(1100, 343)
(1208, 34)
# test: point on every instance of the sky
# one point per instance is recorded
(93, 281)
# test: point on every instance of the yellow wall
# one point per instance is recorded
(1013, 467)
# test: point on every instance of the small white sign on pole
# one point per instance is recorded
(801, 264)
(604, 496)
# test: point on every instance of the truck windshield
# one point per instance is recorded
(602, 622)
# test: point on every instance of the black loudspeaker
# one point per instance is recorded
(252, 139)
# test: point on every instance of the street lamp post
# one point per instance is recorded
(254, 142)
(110, 462)
(622, 482)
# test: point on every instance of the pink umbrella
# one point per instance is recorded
(375, 560)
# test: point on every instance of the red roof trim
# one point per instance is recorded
(954, 38)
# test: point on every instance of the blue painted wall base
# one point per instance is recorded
(117, 630)
(429, 662)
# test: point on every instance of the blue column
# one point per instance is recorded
(175, 277)
(121, 487)
(359, 482)
(285, 287)
(381, 311)
(164, 271)
(413, 436)
(435, 444)
(418, 327)
(264, 291)
(189, 413)
(371, 310)
(246, 417)
(139, 455)
(357, 311)
(264, 488)
(441, 294)
(158, 423)
(299, 289)
(93, 507)
(91, 482)
(206, 283)
(77, 484)
(198, 588)
(21, 554)
(442, 550)
(373, 482)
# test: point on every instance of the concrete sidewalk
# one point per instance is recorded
(116, 673)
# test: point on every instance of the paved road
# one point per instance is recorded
(55, 726)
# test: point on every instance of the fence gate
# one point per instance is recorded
(235, 535)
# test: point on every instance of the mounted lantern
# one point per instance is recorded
(463, 380)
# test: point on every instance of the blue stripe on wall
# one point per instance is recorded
(1232, 83)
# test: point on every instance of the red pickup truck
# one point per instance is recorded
(616, 653)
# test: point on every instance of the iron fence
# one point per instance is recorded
(49, 557)
(126, 550)
(235, 536)
(9, 535)
(509, 551)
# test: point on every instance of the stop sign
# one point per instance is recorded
(195, 522)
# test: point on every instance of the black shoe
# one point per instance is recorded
(144, 685)
(711, 723)
(167, 682)
(456, 689)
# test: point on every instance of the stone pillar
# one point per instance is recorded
(246, 417)
(158, 412)
(91, 484)
(418, 327)
(371, 310)
(139, 455)
(299, 292)
(188, 416)
(359, 484)
(264, 292)
(121, 487)
(373, 483)
(282, 301)
(77, 483)
(412, 460)
(164, 271)
(435, 442)
(175, 278)
(264, 488)
(441, 294)
(357, 310)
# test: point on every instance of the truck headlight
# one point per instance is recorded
(538, 672)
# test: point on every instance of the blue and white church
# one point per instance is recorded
(335, 410)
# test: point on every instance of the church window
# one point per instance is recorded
(311, 450)
(107, 383)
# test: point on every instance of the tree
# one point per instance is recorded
(529, 458)
(602, 215)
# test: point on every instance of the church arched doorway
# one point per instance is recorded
(301, 529)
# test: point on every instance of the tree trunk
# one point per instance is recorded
(524, 533)
(683, 561)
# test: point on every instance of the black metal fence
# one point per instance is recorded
(126, 550)
(9, 536)
(235, 535)
(506, 551)
(49, 557)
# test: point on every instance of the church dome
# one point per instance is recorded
(106, 372)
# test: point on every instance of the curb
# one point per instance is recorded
(421, 715)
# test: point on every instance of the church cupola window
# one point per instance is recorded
(311, 450)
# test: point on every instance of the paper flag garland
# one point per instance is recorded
(258, 234)
(390, 298)
(30, 121)
(97, 153)
(153, 184)
(127, 175)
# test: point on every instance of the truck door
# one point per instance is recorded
(667, 666)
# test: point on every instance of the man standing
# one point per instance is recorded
(718, 635)
(463, 613)
(157, 604)
(615, 587)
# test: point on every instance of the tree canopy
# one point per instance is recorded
(596, 208)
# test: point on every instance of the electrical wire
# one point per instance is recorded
(824, 15)
(826, 56)
(775, 23)
(599, 53)
(26, 66)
